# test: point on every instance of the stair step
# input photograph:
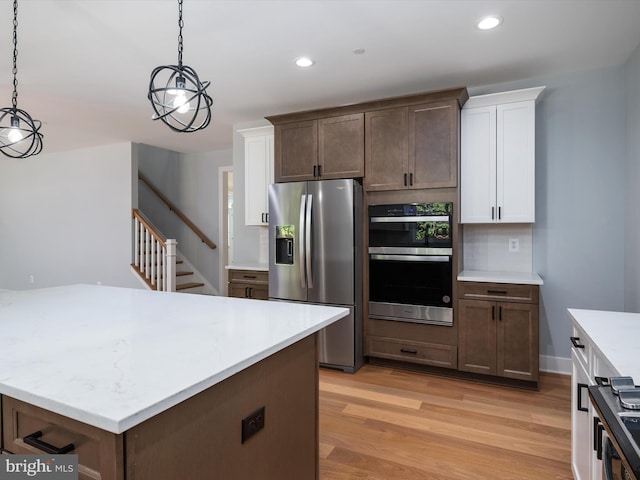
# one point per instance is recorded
(182, 274)
(184, 286)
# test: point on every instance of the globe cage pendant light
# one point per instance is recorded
(177, 95)
(20, 135)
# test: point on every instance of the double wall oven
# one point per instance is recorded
(410, 263)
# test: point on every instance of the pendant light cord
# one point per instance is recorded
(14, 98)
(180, 25)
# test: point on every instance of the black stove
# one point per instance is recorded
(618, 406)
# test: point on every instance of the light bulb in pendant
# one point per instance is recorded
(15, 134)
(180, 102)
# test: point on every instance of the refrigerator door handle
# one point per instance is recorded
(308, 237)
(301, 236)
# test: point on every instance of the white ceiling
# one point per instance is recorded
(84, 65)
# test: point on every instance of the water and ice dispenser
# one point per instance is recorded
(284, 244)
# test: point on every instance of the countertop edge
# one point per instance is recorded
(520, 278)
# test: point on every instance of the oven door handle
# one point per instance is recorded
(411, 258)
(426, 218)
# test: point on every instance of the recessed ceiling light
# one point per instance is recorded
(359, 51)
(304, 62)
(487, 23)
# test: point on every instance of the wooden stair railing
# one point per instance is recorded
(177, 211)
(154, 257)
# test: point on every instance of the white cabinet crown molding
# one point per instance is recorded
(256, 131)
(523, 95)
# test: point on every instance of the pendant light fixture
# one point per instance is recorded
(177, 95)
(20, 135)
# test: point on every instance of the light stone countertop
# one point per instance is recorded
(520, 278)
(616, 336)
(257, 267)
(114, 357)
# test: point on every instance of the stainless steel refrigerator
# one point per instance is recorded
(315, 256)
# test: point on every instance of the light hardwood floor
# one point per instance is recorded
(385, 424)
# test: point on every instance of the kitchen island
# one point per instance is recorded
(152, 385)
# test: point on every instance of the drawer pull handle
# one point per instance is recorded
(406, 350)
(34, 441)
(602, 381)
(575, 341)
(496, 292)
(249, 276)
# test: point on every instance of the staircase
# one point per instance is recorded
(159, 265)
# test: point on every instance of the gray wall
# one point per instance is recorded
(65, 218)
(581, 166)
(632, 200)
(190, 181)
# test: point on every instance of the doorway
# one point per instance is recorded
(225, 179)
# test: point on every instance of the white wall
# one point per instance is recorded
(190, 181)
(578, 237)
(632, 199)
(65, 218)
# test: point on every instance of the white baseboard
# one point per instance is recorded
(555, 365)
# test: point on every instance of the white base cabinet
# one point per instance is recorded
(586, 430)
(497, 165)
(258, 173)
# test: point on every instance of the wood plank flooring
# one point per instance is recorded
(383, 423)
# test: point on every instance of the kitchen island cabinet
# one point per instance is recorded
(155, 385)
(604, 344)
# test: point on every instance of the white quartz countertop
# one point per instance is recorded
(615, 335)
(114, 357)
(521, 278)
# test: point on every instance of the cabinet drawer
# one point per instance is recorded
(416, 352)
(581, 347)
(506, 292)
(257, 292)
(100, 453)
(249, 276)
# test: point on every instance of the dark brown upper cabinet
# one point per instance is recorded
(394, 144)
(412, 147)
(324, 149)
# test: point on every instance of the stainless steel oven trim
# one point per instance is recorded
(435, 218)
(402, 312)
(411, 258)
(411, 251)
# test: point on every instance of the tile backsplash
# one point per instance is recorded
(493, 247)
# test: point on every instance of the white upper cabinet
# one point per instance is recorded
(258, 173)
(497, 166)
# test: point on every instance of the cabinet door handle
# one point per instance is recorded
(500, 313)
(493, 312)
(411, 179)
(262, 218)
(499, 213)
(493, 213)
(319, 170)
(579, 406)
(34, 441)
(315, 169)
(406, 350)
(597, 437)
(405, 179)
(266, 217)
(575, 341)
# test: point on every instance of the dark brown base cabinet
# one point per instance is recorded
(498, 330)
(249, 284)
(200, 438)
